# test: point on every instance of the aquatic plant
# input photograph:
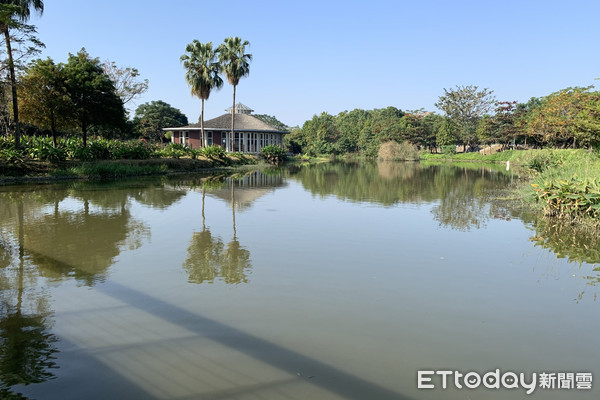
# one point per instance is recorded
(569, 197)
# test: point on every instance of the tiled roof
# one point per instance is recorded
(243, 122)
(241, 109)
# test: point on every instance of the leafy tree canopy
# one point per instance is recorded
(44, 98)
(465, 105)
(94, 98)
(271, 120)
(151, 118)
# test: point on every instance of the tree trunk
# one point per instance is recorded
(53, 129)
(84, 130)
(13, 84)
(233, 119)
(202, 143)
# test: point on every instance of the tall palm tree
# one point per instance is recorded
(236, 65)
(202, 73)
(14, 10)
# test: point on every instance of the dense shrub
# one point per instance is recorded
(394, 151)
(42, 148)
(173, 150)
(448, 149)
(194, 153)
(11, 155)
(133, 150)
(6, 142)
(213, 151)
(273, 154)
(544, 160)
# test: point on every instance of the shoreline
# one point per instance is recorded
(33, 171)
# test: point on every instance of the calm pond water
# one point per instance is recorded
(333, 281)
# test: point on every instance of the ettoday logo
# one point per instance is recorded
(507, 380)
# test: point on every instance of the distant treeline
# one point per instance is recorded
(567, 118)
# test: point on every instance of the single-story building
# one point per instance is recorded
(250, 134)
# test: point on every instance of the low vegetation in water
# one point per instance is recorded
(571, 198)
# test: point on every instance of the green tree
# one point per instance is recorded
(202, 73)
(447, 133)
(94, 99)
(505, 122)
(13, 13)
(349, 125)
(293, 141)
(524, 114)
(430, 123)
(319, 134)
(486, 132)
(464, 106)
(44, 98)
(567, 117)
(271, 120)
(151, 118)
(236, 65)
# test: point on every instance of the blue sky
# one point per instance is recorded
(315, 56)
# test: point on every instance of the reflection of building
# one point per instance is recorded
(248, 189)
(250, 135)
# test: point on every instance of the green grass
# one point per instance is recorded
(563, 182)
(105, 170)
(520, 157)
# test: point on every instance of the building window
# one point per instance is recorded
(236, 142)
(209, 138)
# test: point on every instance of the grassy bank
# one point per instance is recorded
(520, 157)
(34, 170)
(564, 184)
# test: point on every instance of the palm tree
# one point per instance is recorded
(16, 10)
(202, 73)
(236, 65)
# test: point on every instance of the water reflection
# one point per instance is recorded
(72, 232)
(459, 193)
(464, 197)
(208, 258)
(27, 348)
(578, 244)
(77, 232)
(241, 190)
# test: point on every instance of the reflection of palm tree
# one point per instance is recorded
(235, 261)
(233, 207)
(204, 257)
(208, 259)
